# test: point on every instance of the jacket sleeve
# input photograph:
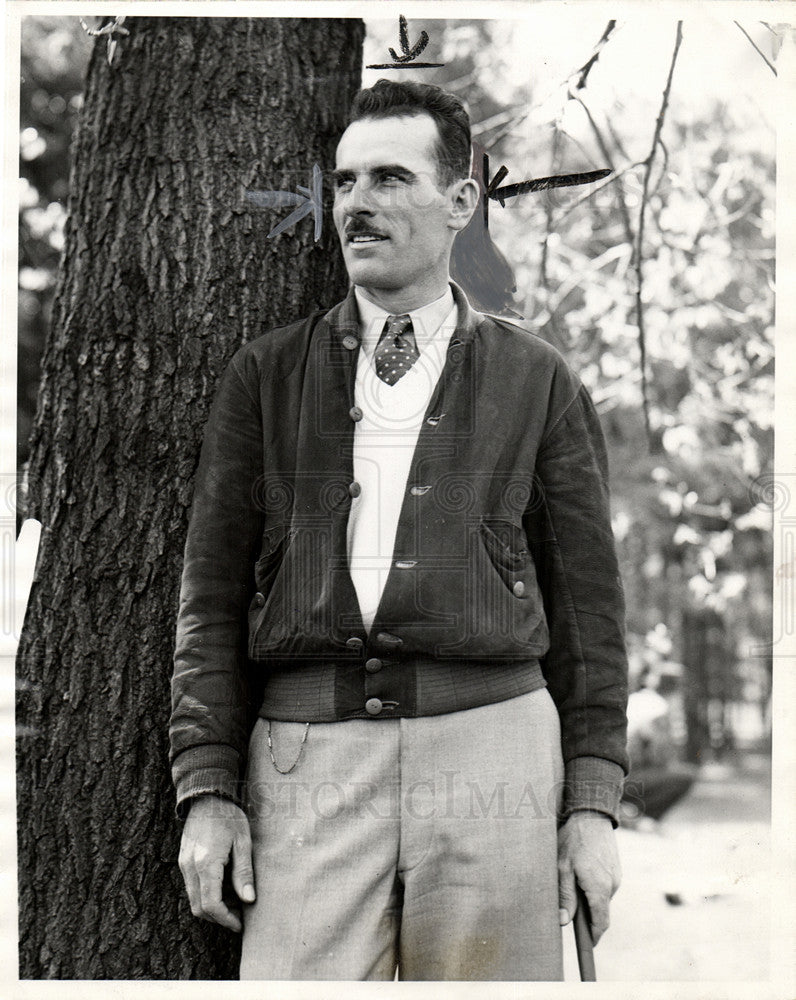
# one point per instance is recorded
(569, 532)
(213, 696)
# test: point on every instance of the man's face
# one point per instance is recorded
(395, 225)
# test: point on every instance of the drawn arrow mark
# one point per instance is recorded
(408, 53)
(308, 202)
(542, 183)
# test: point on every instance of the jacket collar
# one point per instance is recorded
(343, 319)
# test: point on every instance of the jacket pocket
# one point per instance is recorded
(507, 548)
(502, 607)
(275, 544)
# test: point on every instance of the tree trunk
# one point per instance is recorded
(705, 658)
(167, 271)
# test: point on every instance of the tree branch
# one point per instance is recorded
(603, 145)
(543, 259)
(596, 190)
(616, 139)
(508, 122)
(640, 231)
(548, 216)
(757, 49)
(587, 66)
(611, 255)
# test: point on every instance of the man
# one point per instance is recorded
(400, 557)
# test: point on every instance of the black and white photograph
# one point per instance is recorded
(398, 511)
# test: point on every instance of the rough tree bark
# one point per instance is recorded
(167, 270)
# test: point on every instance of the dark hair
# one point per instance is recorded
(388, 98)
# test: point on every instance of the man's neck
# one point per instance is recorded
(404, 300)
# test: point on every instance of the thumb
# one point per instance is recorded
(242, 870)
(567, 900)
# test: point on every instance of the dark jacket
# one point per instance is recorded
(504, 574)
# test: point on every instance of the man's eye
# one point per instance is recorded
(342, 183)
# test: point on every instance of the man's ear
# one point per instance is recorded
(464, 195)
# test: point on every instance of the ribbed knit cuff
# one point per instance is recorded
(207, 770)
(594, 784)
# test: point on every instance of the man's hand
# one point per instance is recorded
(587, 852)
(216, 832)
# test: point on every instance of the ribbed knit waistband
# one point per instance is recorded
(327, 692)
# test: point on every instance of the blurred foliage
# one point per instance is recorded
(691, 502)
(54, 57)
(692, 511)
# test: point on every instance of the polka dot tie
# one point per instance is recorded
(396, 350)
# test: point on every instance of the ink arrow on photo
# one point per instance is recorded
(491, 189)
(542, 183)
(307, 202)
(408, 53)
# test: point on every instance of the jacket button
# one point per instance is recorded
(518, 588)
(386, 639)
(355, 413)
(350, 342)
(373, 706)
(259, 600)
(373, 666)
(354, 489)
(354, 642)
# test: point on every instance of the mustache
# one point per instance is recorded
(360, 229)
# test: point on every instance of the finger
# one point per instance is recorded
(598, 907)
(616, 876)
(567, 900)
(213, 907)
(242, 870)
(191, 880)
(193, 890)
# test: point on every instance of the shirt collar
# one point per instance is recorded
(426, 321)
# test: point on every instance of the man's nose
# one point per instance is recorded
(357, 199)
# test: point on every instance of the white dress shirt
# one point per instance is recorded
(385, 439)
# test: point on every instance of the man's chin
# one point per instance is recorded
(369, 273)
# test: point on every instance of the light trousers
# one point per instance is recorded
(427, 845)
